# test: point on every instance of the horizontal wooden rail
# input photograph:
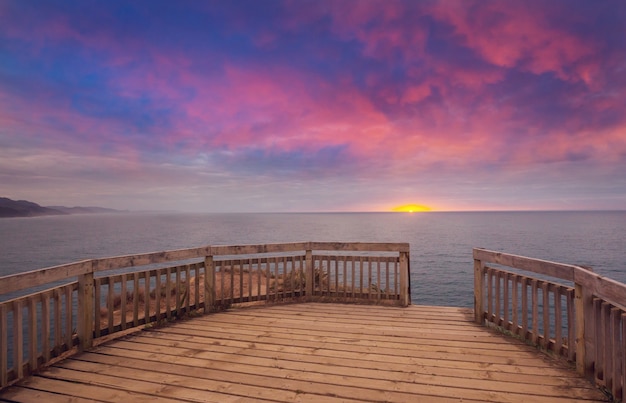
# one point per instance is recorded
(93, 302)
(585, 323)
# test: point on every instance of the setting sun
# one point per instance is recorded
(411, 208)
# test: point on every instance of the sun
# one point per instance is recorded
(411, 208)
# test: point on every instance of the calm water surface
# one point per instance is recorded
(441, 243)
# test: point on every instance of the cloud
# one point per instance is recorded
(356, 95)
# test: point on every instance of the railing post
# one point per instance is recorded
(479, 290)
(585, 330)
(85, 315)
(309, 274)
(405, 297)
(209, 284)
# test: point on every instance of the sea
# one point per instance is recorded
(440, 254)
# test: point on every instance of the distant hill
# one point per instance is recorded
(24, 208)
(83, 210)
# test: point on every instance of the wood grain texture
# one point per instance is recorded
(313, 353)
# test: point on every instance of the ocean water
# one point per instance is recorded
(441, 243)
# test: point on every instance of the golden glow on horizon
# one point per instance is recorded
(411, 208)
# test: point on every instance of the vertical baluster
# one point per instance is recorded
(123, 296)
(571, 326)
(97, 292)
(558, 323)
(31, 308)
(250, 265)
(69, 328)
(360, 276)
(147, 301)
(18, 338)
(505, 300)
(352, 277)
(187, 288)
(136, 299)
(489, 294)
(498, 297)
(168, 293)
(177, 294)
(196, 299)
(535, 310)
(545, 301)
(110, 303)
(606, 343)
(524, 307)
(45, 326)
(259, 270)
(515, 304)
(387, 284)
(616, 365)
(599, 359)
(378, 279)
(4, 344)
(157, 294)
(58, 340)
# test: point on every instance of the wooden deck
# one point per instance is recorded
(312, 352)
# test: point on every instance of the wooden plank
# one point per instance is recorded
(4, 344)
(623, 349)
(505, 297)
(24, 394)
(69, 329)
(136, 296)
(545, 308)
(455, 367)
(18, 337)
(311, 352)
(607, 344)
(524, 307)
(553, 269)
(147, 278)
(110, 303)
(123, 299)
(58, 338)
(557, 293)
(85, 390)
(572, 341)
(535, 310)
(35, 278)
(515, 304)
(190, 380)
(598, 353)
(32, 333)
(168, 293)
(45, 326)
(616, 364)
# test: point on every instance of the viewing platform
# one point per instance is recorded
(307, 322)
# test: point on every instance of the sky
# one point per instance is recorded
(313, 106)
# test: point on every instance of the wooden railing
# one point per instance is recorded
(101, 297)
(584, 322)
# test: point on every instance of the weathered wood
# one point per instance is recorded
(372, 356)
(553, 269)
(35, 278)
(535, 310)
(581, 326)
(545, 307)
(479, 289)
(557, 293)
(572, 338)
(85, 321)
(209, 284)
(32, 333)
(4, 344)
(614, 340)
(405, 297)
(309, 274)
(623, 349)
(18, 337)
